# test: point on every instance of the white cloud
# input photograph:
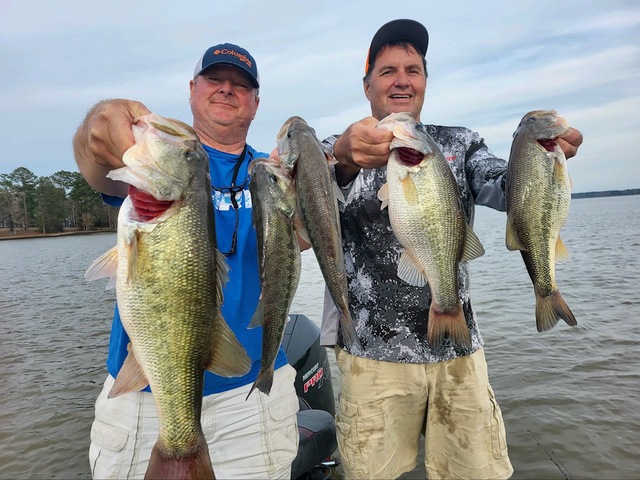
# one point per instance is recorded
(488, 64)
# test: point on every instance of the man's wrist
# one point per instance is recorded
(346, 169)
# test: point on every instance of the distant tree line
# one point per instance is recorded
(65, 200)
(51, 204)
(607, 193)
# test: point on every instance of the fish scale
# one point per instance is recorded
(192, 300)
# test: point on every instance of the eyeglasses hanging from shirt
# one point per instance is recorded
(233, 191)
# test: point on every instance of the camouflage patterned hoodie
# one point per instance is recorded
(391, 315)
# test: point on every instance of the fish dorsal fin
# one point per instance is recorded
(298, 224)
(222, 274)
(512, 241)
(257, 320)
(383, 196)
(228, 356)
(409, 271)
(562, 253)
(105, 266)
(472, 245)
(131, 377)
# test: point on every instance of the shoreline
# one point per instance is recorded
(24, 235)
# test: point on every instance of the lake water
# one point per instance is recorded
(572, 394)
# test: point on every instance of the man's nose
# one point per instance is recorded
(402, 80)
(226, 86)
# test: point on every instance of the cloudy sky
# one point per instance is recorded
(489, 63)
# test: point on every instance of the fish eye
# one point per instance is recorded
(273, 178)
(191, 155)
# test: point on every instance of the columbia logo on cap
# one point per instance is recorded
(241, 57)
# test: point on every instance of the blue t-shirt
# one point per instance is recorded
(242, 291)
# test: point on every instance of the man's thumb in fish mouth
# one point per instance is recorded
(570, 141)
(125, 114)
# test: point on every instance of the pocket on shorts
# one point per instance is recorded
(108, 436)
(346, 431)
(283, 408)
(283, 430)
(107, 450)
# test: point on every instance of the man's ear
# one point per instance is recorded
(365, 86)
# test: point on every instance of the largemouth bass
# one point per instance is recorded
(274, 210)
(168, 280)
(303, 158)
(428, 221)
(538, 194)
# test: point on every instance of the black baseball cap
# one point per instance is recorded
(229, 54)
(398, 30)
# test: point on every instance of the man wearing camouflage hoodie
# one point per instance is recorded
(396, 386)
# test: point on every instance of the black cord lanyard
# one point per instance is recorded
(233, 189)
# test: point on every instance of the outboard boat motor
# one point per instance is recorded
(316, 423)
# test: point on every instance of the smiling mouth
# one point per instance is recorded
(223, 104)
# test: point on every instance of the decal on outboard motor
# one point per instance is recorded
(318, 375)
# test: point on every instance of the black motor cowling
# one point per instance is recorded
(316, 423)
(301, 343)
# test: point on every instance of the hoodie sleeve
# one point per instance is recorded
(486, 175)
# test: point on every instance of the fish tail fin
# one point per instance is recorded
(264, 382)
(193, 465)
(550, 309)
(444, 324)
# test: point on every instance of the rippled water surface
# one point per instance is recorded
(572, 394)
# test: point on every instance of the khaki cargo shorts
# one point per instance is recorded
(384, 407)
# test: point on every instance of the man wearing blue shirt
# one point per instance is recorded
(256, 438)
